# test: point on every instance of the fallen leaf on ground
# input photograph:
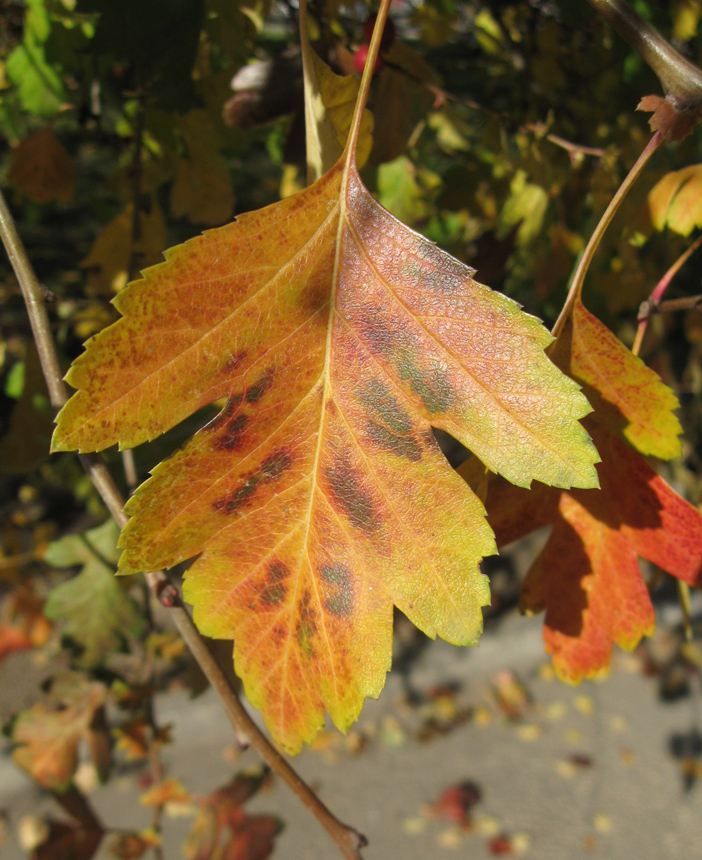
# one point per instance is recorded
(47, 735)
(224, 829)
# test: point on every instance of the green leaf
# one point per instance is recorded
(96, 611)
(39, 85)
(399, 191)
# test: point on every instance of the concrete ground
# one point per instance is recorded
(579, 772)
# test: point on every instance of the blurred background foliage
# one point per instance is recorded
(502, 129)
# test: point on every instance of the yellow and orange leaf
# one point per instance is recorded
(587, 578)
(47, 735)
(675, 201)
(318, 499)
(628, 397)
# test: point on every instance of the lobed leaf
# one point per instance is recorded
(587, 578)
(318, 498)
(95, 610)
(48, 734)
(628, 398)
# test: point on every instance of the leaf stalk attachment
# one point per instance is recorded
(576, 285)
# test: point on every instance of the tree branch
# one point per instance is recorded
(349, 840)
(681, 80)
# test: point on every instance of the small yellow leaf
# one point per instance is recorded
(109, 258)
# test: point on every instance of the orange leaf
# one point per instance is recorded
(587, 578)
(319, 498)
(48, 733)
(628, 397)
(673, 124)
(12, 639)
(224, 829)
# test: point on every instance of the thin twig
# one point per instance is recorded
(576, 284)
(681, 79)
(537, 128)
(348, 840)
(654, 303)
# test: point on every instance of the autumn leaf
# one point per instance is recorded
(41, 168)
(109, 258)
(48, 734)
(318, 499)
(68, 841)
(12, 639)
(587, 578)
(674, 202)
(96, 611)
(628, 398)
(224, 829)
(202, 190)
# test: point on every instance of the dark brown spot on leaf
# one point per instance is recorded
(274, 466)
(340, 600)
(275, 588)
(233, 361)
(402, 446)
(350, 496)
(239, 497)
(230, 439)
(256, 392)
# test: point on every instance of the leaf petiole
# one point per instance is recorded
(576, 285)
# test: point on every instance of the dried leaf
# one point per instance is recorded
(673, 123)
(48, 733)
(96, 611)
(224, 829)
(319, 498)
(169, 791)
(68, 842)
(12, 639)
(41, 168)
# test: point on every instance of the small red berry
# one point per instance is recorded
(359, 60)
